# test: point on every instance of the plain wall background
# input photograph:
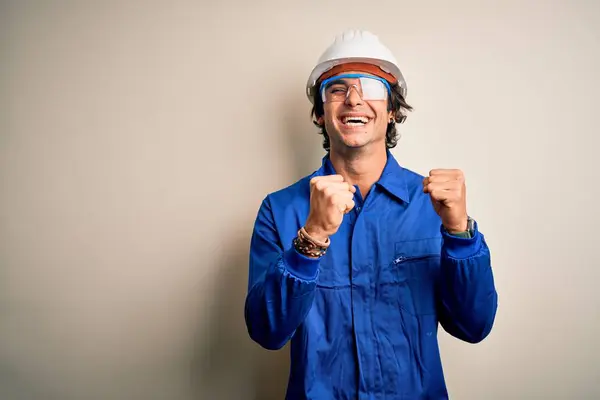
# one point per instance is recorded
(137, 141)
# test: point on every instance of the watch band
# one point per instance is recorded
(469, 233)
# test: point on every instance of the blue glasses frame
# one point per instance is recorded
(342, 76)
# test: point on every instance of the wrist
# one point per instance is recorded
(316, 233)
(310, 246)
(456, 228)
(455, 231)
(465, 230)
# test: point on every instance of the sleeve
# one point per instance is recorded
(468, 297)
(281, 285)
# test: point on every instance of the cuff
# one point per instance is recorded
(299, 265)
(461, 246)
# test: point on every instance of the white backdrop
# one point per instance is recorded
(138, 139)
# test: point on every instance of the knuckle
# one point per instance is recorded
(315, 180)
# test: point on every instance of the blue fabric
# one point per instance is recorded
(363, 319)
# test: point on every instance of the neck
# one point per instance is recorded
(360, 167)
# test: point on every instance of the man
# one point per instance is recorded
(358, 262)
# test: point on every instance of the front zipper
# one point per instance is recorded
(401, 259)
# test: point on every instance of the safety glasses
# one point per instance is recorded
(337, 88)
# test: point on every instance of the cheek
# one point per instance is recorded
(329, 115)
(382, 115)
(383, 111)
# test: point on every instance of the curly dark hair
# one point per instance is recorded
(396, 102)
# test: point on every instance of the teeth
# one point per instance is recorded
(355, 121)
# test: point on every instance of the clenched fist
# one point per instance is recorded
(330, 198)
(447, 190)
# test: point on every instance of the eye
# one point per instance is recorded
(336, 89)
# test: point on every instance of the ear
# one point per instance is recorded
(391, 117)
(320, 121)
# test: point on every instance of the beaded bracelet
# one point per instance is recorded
(309, 246)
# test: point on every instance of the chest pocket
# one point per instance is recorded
(415, 266)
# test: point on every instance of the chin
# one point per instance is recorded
(356, 143)
(352, 142)
(352, 137)
(355, 137)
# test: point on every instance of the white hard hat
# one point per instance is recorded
(356, 46)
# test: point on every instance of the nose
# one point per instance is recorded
(353, 97)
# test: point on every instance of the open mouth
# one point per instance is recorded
(355, 121)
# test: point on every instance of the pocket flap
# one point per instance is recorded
(419, 247)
